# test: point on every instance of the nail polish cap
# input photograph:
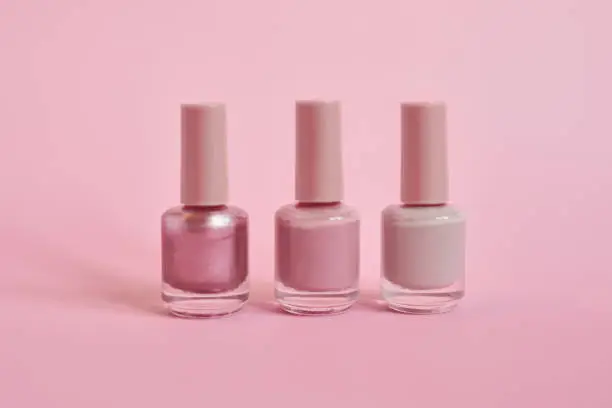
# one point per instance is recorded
(203, 155)
(424, 157)
(318, 172)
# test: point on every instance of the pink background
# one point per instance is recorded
(89, 95)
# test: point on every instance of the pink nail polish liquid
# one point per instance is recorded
(204, 267)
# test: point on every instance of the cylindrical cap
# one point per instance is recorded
(424, 161)
(203, 155)
(318, 172)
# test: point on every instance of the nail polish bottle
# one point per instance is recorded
(423, 238)
(204, 241)
(317, 238)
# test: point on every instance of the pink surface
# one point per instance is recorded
(89, 144)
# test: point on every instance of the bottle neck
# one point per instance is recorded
(204, 207)
(302, 204)
(422, 205)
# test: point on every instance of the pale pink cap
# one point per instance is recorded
(424, 161)
(203, 155)
(318, 171)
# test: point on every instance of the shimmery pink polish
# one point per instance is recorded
(317, 238)
(423, 238)
(204, 241)
(205, 249)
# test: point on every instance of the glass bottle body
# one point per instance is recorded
(423, 258)
(317, 258)
(204, 260)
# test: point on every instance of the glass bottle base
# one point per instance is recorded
(314, 303)
(423, 302)
(204, 305)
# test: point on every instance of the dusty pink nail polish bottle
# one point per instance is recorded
(204, 241)
(317, 238)
(423, 238)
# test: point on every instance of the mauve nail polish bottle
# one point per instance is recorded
(317, 238)
(204, 241)
(423, 239)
